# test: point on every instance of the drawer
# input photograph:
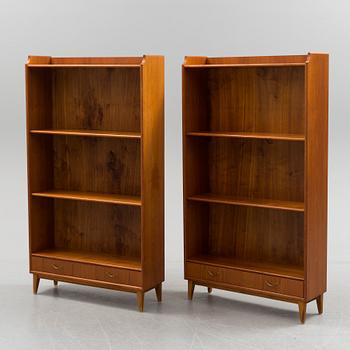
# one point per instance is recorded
(283, 286)
(119, 276)
(246, 279)
(58, 267)
(243, 278)
(212, 273)
(204, 272)
(87, 271)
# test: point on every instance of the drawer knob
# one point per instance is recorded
(110, 274)
(271, 284)
(212, 274)
(55, 267)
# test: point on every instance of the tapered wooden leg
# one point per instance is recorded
(140, 300)
(302, 311)
(319, 301)
(190, 289)
(55, 283)
(210, 289)
(159, 292)
(36, 281)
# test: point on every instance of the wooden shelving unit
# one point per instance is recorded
(255, 175)
(96, 171)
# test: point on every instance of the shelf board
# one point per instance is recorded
(244, 65)
(129, 263)
(92, 133)
(249, 135)
(260, 203)
(84, 65)
(289, 271)
(91, 197)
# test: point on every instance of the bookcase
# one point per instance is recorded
(95, 140)
(255, 175)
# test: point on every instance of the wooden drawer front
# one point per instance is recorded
(283, 286)
(58, 267)
(212, 273)
(87, 271)
(243, 278)
(107, 274)
(119, 276)
(193, 271)
(253, 280)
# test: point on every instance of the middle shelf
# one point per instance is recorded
(91, 197)
(249, 135)
(91, 133)
(259, 203)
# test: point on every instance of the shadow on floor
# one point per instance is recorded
(176, 303)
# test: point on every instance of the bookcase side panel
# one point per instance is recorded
(316, 159)
(38, 108)
(152, 164)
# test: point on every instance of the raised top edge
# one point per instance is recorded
(89, 61)
(247, 60)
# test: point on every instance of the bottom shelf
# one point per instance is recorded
(121, 262)
(289, 271)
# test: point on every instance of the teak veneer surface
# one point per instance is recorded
(255, 175)
(95, 133)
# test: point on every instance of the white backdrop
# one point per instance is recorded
(174, 29)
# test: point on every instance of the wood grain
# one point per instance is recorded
(98, 99)
(95, 135)
(152, 145)
(110, 165)
(262, 100)
(254, 169)
(255, 174)
(316, 179)
(97, 228)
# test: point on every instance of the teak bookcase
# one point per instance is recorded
(95, 171)
(255, 175)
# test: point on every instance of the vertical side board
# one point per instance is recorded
(316, 179)
(38, 109)
(186, 116)
(152, 165)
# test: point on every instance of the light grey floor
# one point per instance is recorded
(78, 317)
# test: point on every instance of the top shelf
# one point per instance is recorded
(86, 62)
(83, 65)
